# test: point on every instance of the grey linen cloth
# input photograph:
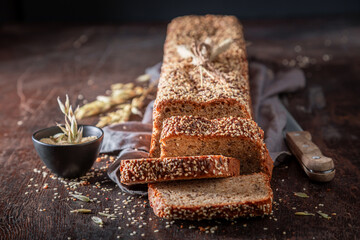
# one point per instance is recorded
(132, 139)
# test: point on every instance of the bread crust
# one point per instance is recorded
(268, 164)
(150, 170)
(228, 211)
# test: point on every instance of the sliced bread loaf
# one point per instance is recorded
(241, 196)
(183, 88)
(147, 170)
(230, 136)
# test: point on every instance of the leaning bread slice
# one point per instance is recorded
(147, 170)
(230, 136)
(241, 196)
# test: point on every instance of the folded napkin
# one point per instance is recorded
(132, 139)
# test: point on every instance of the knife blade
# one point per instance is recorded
(317, 166)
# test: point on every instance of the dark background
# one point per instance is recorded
(156, 10)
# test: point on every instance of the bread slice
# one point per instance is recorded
(183, 88)
(241, 196)
(147, 170)
(230, 136)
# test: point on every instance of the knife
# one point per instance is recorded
(318, 167)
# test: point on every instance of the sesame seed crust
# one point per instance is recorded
(203, 127)
(149, 170)
(249, 208)
(182, 83)
(180, 80)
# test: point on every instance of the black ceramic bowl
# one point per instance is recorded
(68, 161)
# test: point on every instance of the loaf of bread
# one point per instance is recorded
(148, 170)
(186, 88)
(230, 136)
(241, 196)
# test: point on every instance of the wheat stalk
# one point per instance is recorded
(71, 133)
(203, 55)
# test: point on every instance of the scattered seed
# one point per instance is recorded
(297, 48)
(80, 197)
(97, 220)
(326, 57)
(81, 210)
(324, 215)
(301, 194)
(304, 214)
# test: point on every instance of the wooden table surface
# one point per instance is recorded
(40, 62)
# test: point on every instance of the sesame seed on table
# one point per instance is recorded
(41, 62)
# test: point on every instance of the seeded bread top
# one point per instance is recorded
(160, 169)
(180, 80)
(202, 127)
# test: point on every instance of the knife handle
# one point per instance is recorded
(316, 165)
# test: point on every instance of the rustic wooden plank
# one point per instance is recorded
(39, 63)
